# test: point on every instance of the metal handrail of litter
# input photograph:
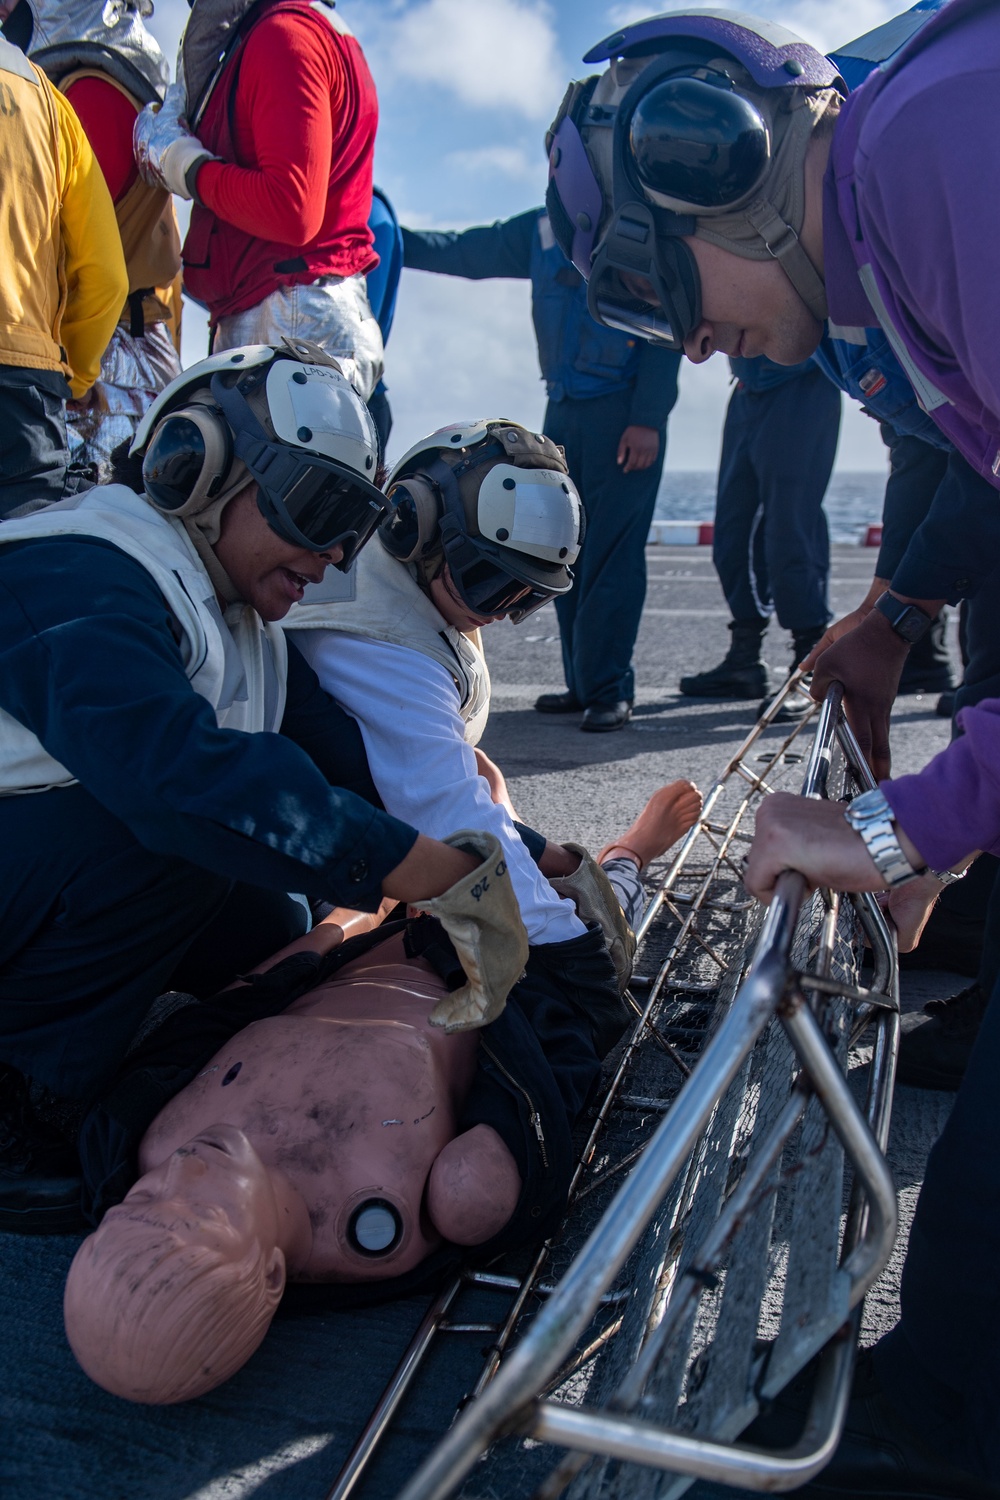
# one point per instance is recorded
(685, 910)
(510, 1401)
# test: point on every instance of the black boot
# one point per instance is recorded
(741, 673)
(796, 707)
(936, 1042)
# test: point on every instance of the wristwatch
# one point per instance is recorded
(872, 817)
(909, 622)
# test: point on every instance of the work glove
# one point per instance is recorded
(481, 916)
(166, 153)
(592, 893)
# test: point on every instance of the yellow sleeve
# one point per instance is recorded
(94, 265)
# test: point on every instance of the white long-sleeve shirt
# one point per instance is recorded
(407, 707)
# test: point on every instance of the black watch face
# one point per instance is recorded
(912, 624)
(909, 622)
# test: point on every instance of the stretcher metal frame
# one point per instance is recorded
(510, 1395)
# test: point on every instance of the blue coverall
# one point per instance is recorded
(772, 546)
(599, 382)
(105, 884)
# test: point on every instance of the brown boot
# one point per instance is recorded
(667, 816)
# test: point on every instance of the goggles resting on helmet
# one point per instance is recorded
(308, 500)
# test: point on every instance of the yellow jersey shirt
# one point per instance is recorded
(62, 271)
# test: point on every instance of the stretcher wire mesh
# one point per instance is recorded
(774, 1295)
(739, 1318)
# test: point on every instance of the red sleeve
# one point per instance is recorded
(107, 118)
(291, 88)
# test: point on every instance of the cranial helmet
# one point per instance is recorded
(699, 127)
(282, 416)
(496, 503)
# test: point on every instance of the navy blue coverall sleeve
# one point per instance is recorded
(89, 663)
(916, 468)
(954, 549)
(500, 249)
(655, 391)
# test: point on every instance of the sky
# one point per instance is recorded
(466, 90)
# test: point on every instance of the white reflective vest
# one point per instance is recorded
(234, 660)
(381, 600)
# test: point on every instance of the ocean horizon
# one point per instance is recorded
(853, 500)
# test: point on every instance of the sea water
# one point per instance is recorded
(853, 501)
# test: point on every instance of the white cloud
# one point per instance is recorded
(460, 349)
(508, 161)
(489, 54)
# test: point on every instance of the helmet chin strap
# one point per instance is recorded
(205, 528)
(221, 581)
(786, 247)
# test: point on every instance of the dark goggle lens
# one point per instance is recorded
(698, 143)
(173, 463)
(327, 508)
(487, 590)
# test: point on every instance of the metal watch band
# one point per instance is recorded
(872, 817)
(948, 877)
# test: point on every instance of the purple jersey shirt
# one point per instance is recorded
(911, 221)
(952, 807)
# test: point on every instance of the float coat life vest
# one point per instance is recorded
(580, 359)
(151, 240)
(950, 408)
(229, 269)
(147, 221)
(235, 661)
(381, 600)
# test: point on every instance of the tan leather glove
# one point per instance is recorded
(481, 916)
(594, 897)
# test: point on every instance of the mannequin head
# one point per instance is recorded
(177, 1287)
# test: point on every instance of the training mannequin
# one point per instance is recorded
(319, 1144)
(342, 1138)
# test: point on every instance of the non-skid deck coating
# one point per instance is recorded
(284, 1425)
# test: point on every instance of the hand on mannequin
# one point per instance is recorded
(868, 660)
(637, 448)
(794, 833)
(481, 916)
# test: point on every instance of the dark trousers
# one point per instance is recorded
(33, 452)
(93, 927)
(599, 617)
(941, 1363)
(772, 547)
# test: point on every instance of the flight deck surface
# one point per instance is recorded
(283, 1427)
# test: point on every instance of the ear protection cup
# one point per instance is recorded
(411, 528)
(187, 460)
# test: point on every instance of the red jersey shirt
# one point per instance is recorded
(293, 118)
